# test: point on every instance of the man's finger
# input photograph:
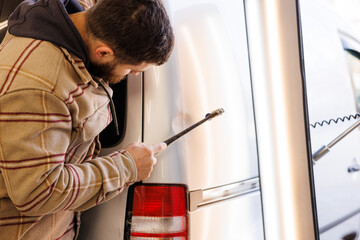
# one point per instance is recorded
(156, 148)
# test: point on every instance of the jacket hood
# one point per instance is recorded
(49, 20)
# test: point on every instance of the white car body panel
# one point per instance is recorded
(208, 70)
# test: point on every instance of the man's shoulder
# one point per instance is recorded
(27, 63)
(14, 48)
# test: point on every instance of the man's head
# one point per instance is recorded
(128, 36)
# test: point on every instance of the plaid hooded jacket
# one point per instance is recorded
(51, 112)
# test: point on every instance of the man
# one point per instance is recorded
(55, 66)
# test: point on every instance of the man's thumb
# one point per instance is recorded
(156, 148)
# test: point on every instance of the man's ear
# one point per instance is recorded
(104, 53)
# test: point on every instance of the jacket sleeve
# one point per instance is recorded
(35, 130)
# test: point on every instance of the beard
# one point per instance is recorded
(105, 71)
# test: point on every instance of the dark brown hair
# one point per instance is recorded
(137, 30)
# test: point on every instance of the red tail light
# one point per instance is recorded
(159, 212)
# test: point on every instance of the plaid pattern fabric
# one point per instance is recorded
(51, 112)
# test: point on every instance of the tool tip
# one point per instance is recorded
(215, 113)
(219, 111)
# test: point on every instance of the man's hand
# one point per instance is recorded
(144, 157)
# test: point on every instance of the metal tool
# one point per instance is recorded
(208, 116)
(326, 148)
